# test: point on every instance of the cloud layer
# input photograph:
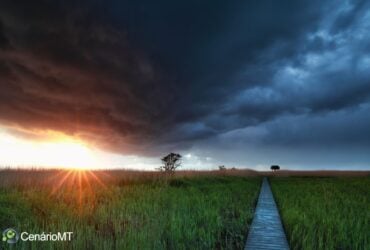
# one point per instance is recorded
(145, 78)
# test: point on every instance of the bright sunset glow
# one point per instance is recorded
(66, 152)
(56, 150)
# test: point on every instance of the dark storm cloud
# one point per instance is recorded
(4, 43)
(149, 76)
(338, 140)
(64, 69)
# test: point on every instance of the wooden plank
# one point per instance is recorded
(266, 231)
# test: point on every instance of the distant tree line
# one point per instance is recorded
(223, 168)
(173, 160)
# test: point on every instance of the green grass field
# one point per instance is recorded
(188, 210)
(124, 211)
(324, 213)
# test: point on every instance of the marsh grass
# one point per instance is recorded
(130, 210)
(324, 212)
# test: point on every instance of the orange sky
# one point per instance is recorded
(54, 149)
(58, 150)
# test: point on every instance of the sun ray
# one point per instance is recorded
(86, 180)
(87, 185)
(97, 180)
(53, 177)
(60, 183)
(80, 191)
(81, 184)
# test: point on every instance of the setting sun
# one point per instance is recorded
(68, 154)
(50, 149)
(61, 152)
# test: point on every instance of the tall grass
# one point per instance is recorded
(130, 210)
(325, 213)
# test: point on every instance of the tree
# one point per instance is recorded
(222, 168)
(170, 162)
(275, 167)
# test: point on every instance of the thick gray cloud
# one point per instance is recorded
(147, 77)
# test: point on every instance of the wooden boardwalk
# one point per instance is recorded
(266, 231)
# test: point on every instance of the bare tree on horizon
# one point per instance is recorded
(171, 162)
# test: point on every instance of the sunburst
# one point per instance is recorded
(80, 183)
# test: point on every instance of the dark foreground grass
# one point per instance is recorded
(206, 212)
(324, 213)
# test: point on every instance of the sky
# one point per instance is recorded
(238, 83)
